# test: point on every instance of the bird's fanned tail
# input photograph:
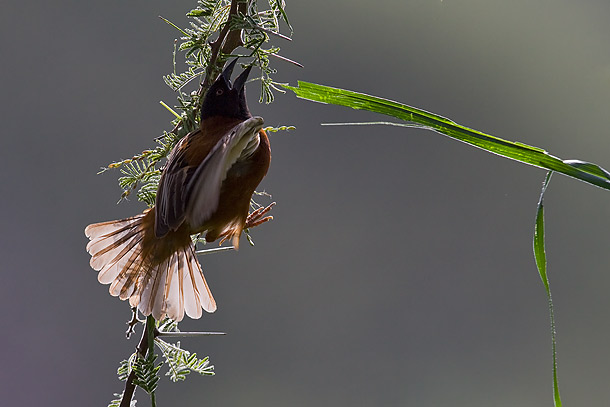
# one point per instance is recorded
(162, 287)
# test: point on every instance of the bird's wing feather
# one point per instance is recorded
(203, 189)
(170, 204)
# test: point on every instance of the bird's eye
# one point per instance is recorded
(219, 92)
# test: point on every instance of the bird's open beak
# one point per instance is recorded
(242, 78)
(226, 73)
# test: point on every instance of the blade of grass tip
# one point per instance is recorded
(587, 172)
(539, 252)
(540, 256)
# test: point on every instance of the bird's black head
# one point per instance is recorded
(224, 99)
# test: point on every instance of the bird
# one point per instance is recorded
(205, 188)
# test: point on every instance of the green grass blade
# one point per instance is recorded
(581, 170)
(539, 252)
(540, 256)
(584, 171)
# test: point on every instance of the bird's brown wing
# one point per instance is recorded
(203, 190)
(170, 203)
(189, 188)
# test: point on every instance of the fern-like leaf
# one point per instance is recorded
(146, 373)
(179, 81)
(117, 401)
(181, 362)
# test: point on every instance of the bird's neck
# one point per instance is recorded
(218, 124)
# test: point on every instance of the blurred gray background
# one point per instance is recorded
(398, 270)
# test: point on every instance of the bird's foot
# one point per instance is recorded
(258, 216)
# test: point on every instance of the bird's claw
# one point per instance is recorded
(258, 217)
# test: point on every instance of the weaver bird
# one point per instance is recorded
(206, 187)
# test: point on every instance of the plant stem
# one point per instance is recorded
(226, 42)
(143, 346)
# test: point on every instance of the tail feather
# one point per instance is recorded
(104, 229)
(168, 287)
(119, 259)
(107, 247)
(173, 287)
(130, 271)
(206, 300)
(193, 302)
(152, 300)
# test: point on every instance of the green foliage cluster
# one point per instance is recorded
(203, 60)
(180, 362)
(146, 372)
(117, 401)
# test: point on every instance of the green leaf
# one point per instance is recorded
(117, 401)
(125, 368)
(181, 362)
(197, 13)
(540, 256)
(539, 251)
(146, 373)
(587, 172)
(589, 167)
(280, 128)
(279, 5)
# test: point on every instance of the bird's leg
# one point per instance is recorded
(254, 219)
